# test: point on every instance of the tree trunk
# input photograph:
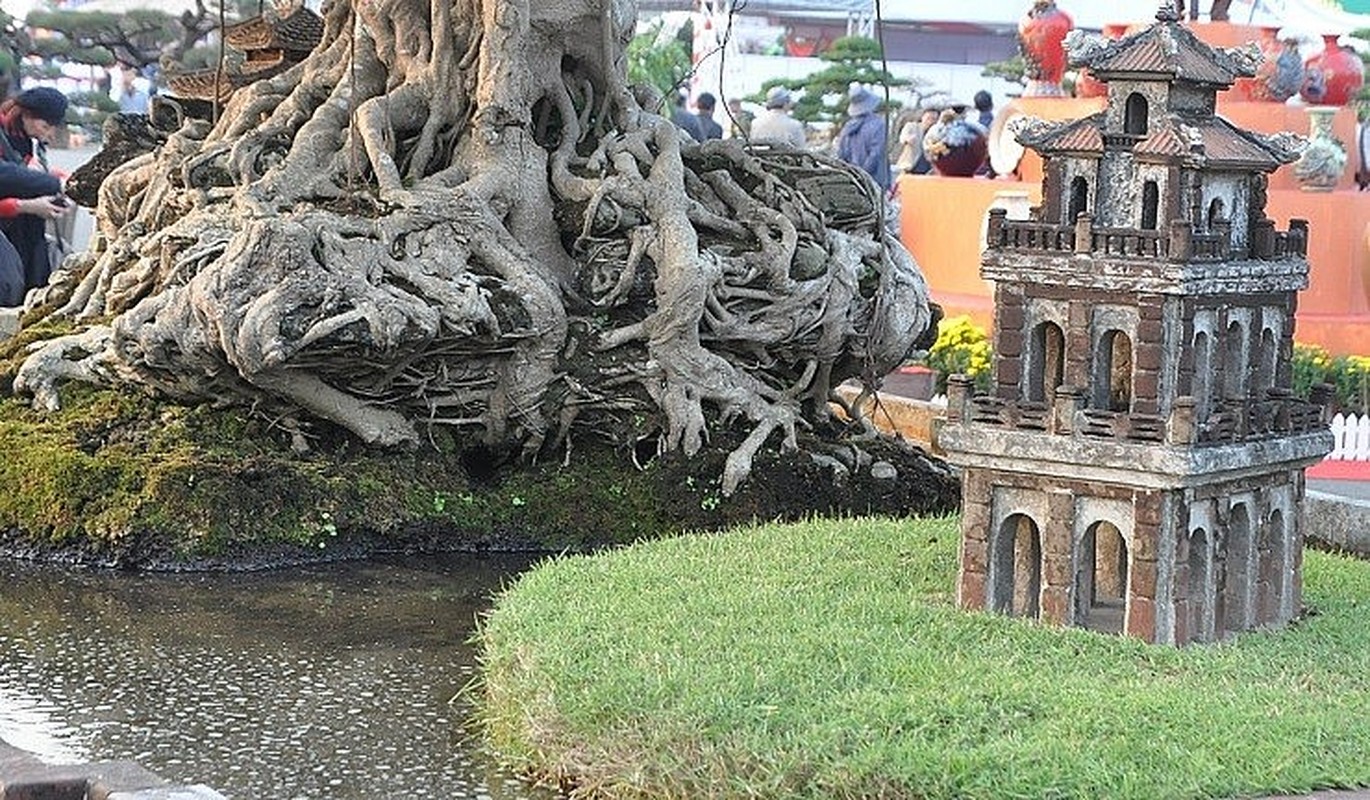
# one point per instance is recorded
(459, 214)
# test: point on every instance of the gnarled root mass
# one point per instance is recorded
(458, 214)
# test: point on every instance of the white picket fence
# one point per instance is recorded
(1352, 435)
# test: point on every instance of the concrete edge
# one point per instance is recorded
(1341, 523)
(24, 775)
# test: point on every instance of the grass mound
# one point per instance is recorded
(826, 659)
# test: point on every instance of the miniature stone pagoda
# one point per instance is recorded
(265, 45)
(1137, 466)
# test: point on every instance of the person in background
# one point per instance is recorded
(711, 129)
(984, 107)
(862, 140)
(775, 123)
(134, 97)
(30, 195)
(684, 120)
(911, 156)
(740, 118)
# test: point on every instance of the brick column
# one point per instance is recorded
(972, 578)
(1058, 563)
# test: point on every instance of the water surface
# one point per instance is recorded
(334, 681)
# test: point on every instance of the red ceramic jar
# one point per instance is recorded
(1040, 36)
(1332, 77)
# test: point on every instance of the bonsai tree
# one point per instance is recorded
(461, 216)
(822, 95)
(139, 37)
(16, 44)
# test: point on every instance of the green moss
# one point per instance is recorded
(119, 474)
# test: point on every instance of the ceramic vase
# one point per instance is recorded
(1280, 74)
(1323, 161)
(1041, 34)
(1332, 77)
(957, 149)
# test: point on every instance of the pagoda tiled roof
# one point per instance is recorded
(1083, 135)
(1165, 49)
(1213, 140)
(270, 43)
(294, 28)
(199, 84)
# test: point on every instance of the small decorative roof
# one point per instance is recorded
(270, 43)
(1166, 49)
(1081, 136)
(292, 27)
(1209, 141)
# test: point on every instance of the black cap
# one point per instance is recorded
(45, 103)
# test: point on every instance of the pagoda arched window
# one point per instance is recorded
(1079, 199)
(1151, 205)
(1047, 360)
(1113, 372)
(1234, 592)
(1217, 212)
(1235, 364)
(1101, 571)
(1200, 587)
(1202, 387)
(1135, 115)
(1016, 568)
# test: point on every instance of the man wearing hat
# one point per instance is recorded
(775, 123)
(863, 139)
(29, 194)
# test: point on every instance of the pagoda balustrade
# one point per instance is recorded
(1229, 421)
(1180, 243)
(1127, 242)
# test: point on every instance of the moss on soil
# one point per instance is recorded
(119, 479)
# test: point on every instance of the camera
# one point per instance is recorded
(60, 200)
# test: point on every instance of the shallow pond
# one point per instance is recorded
(335, 681)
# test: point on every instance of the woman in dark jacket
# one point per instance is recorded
(29, 194)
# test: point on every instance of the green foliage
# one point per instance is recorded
(962, 348)
(658, 61)
(1362, 98)
(1013, 70)
(1349, 377)
(139, 37)
(828, 660)
(822, 95)
(14, 45)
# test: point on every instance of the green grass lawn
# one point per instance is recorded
(827, 659)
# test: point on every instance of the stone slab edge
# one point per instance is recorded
(23, 775)
(1342, 523)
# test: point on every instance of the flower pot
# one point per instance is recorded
(1332, 77)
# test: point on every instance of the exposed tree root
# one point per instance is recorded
(458, 214)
